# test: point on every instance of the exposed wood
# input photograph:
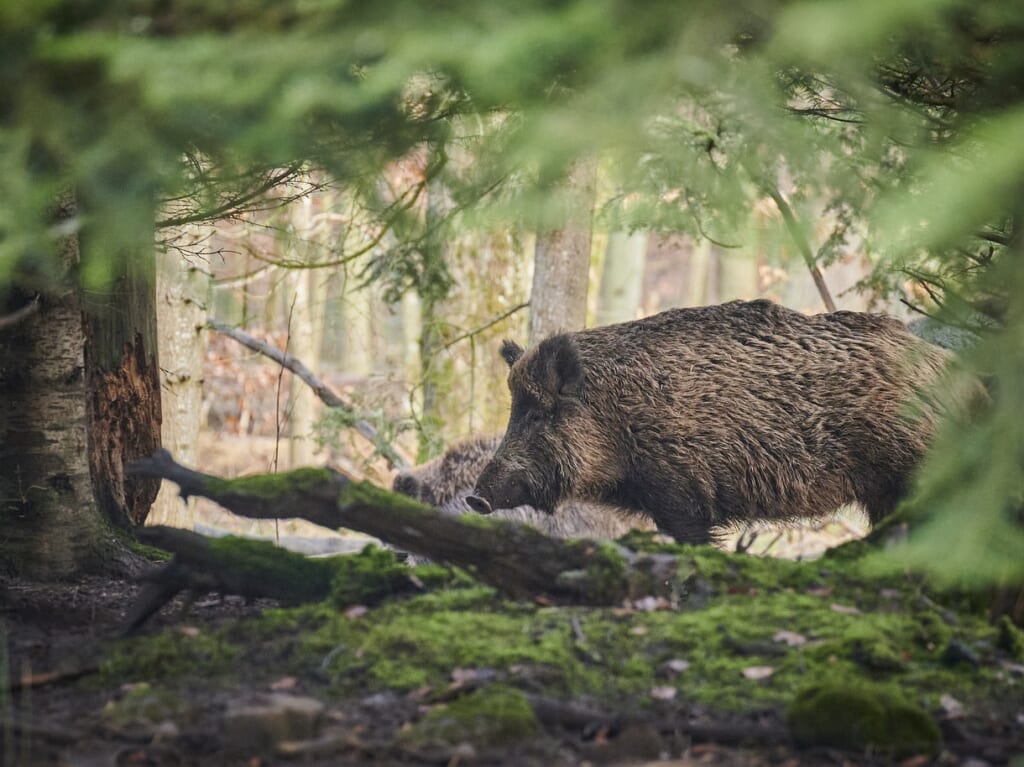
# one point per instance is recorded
(125, 414)
(394, 456)
(122, 367)
(518, 560)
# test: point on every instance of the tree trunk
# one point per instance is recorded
(561, 267)
(737, 275)
(123, 381)
(434, 366)
(80, 394)
(181, 309)
(697, 277)
(305, 344)
(622, 277)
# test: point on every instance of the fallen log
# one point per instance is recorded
(517, 560)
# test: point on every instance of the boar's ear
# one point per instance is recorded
(565, 374)
(511, 352)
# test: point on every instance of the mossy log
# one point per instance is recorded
(517, 560)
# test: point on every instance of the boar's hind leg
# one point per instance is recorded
(881, 503)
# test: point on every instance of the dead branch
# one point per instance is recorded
(394, 456)
(519, 561)
(793, 227)
(570, 716)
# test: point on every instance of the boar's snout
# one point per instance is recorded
(478, 504)
(499, 490)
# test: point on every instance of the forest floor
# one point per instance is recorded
(755, 662)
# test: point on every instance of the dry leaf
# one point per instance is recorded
(663, 693)
(790, 638)
(844, 609)
(953, 708)
(758, 672)
(284, 683)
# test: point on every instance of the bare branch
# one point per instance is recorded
(490, 323)
(395, 457)
(793, 227)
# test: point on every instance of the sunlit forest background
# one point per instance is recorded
(376, 199)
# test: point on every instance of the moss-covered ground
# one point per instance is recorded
(743, 635)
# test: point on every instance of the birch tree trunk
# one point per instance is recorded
(561, 267)
(183, 294)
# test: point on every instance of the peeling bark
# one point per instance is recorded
(124, 413)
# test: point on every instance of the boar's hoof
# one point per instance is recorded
(478, 504)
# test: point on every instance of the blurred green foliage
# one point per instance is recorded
(905, 116)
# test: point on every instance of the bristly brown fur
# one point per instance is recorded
(726, 414)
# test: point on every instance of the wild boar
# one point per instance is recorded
(445, 482)
(709, 417)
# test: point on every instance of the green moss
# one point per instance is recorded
(272, 485)
(603, 576)
(292, 576)
(368, 577)
(368, 494)
(857, 716)
(144, 704)
(495, 716)
(732, 608)
(873, 648)
(168, 656)
(1010, 639)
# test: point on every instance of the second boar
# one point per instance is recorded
(446, 481)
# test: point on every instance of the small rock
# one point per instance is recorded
(284, 683)
(790, 638)
(164, 732)
(261, 724)
(952, 708)
(670, 669)
(958, 652)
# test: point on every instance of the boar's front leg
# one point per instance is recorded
(684, 528)
(683, 518)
